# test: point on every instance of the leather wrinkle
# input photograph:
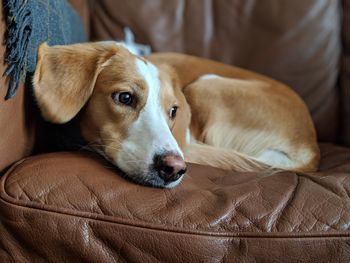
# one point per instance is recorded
(142, 224)
(84, 211)
(215, 234)
(279, 212)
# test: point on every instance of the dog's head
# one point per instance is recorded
(131, 111)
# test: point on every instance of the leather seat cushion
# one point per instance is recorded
(75, 206)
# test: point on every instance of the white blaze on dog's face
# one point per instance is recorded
(128, 119)
(126, 107)
(149, 135)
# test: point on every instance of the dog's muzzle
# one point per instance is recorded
(170, 167)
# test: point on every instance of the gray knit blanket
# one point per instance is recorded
(31, 22)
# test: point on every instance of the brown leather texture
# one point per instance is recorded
(74, 207)
(345, 74)
(20, 129)
(296, 42)
(17, 126)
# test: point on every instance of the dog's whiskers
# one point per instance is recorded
(94, 146)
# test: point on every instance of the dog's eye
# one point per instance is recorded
(172, 113)
(125, 98)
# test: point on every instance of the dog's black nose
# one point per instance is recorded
(170, 167)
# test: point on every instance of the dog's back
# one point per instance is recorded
(257, 121)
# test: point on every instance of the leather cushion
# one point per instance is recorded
(296, 42)
(75, 206)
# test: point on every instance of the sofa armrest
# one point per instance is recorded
(75, 206)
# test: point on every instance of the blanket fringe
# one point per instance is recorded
(19, 29)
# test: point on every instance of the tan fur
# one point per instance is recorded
(232, 120)
(243, 114)
(61, 92)
(172, 94)
(70, 77)
(103, 124)
(223, 158)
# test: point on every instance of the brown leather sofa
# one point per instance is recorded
(71, 207)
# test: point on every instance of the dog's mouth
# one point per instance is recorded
(152, 179)
(157, 175)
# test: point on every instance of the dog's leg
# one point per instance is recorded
(250, 126)
(223, 158)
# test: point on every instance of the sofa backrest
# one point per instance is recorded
(345, 75)
(296, 42)
(83, 8)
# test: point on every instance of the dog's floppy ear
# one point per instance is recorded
(65, 77)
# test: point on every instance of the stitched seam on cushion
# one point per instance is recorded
(5, 197)
(110, 219)
(273, 235)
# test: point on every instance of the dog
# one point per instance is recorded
(148, 115)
